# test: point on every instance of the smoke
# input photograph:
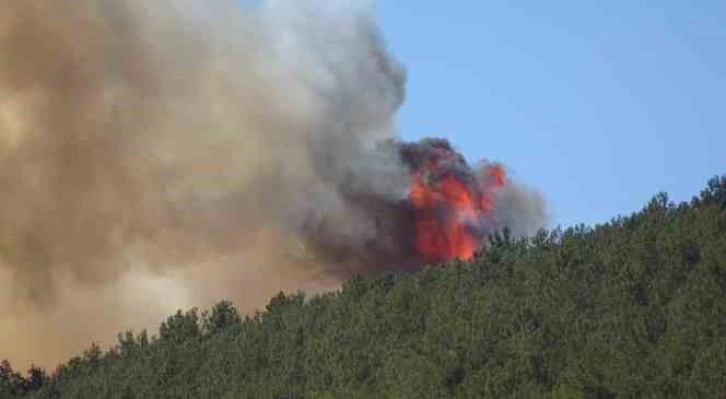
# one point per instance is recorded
(167, 154)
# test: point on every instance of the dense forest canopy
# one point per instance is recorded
(631, 308)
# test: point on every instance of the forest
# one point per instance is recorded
(635, 307)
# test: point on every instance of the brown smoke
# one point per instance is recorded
(163, 154)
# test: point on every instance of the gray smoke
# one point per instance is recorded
(164, 154)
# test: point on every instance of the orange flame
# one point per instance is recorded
(447, 211)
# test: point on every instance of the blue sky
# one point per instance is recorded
(597, 104)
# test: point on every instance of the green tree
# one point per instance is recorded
(221, 316)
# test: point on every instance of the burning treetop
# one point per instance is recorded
(451, 201)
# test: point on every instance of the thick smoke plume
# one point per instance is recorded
(163, 154)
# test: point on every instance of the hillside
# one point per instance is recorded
(631, 308)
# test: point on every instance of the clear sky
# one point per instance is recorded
(597, 104)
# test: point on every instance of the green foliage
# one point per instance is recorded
(632, 308)
(13, 384)
(180, 327)
(222, 316)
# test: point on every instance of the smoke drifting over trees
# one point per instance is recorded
(157, 155)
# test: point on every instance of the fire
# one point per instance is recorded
(451, 204)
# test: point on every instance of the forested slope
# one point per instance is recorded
(632, 308)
